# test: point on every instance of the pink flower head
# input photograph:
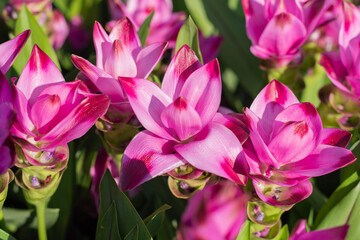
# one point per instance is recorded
(178, 121)
(50, 111)
(343, 67)
(217, 212)
(288, 145)
(118, 55)
(278, 28)
(35, 6)
(300, 233)
(165, 24)
(58, 29)
(209, 46)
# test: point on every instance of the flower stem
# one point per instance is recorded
(40, 213)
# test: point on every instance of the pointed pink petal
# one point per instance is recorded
(102, 80)
(10, 49)
(283, 35)
(338, 233)
(277, 195)
(335, 69)
(335, 137)
(40, 70)
(147, 59)
(49, 104)
(274, 98)
(102, 44)
(209, 46)
(22, 113)
(314, 11)
(234, 124)
(124, 31)
(323, 160)
(300, 112)
(78, 121)
(203, 90)
(155, 157)
(7, 114)
(294, 141)
(216, 150)
(181, 66)
(256, 136)
(120, 62)
(6, 94)
(255, 18)
(181, 118)
(147, 101)
(276, 7)
(350, 27)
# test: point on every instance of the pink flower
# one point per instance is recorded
(343, 67)
(217, 212)
(178, 121)
(300, 233)
(118, 55)
(209, 46)
(165, 24)
(278, 28)
(50, 111)
(288, 145)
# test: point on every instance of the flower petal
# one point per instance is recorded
(155, 157)
(203, 90)
(10, 49)
(335, 137)
(39, 71)
(148, 57)
(6, 159)
(181, 118)
(323, 160)
(6, 94)
(124, 31)
(49, 104)
(7, 114)
(102, 44)
(277, 195)
(235, 123)
(147, 101)
(181, 66)
(216, 150)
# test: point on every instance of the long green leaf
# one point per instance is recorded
(108, 228)
(5, 236)
(189, 35)
(127, 215)
(27, 21)
(244, 232)
(144, 29)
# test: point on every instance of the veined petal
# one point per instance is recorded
(120, 62)
(22, 114)
(77, 122)
(147, 101)
(255, 18)
(45, 109)
(181, 118)
(275, 7)
(323, 160)
(6, 159)
(277, 195)
(313, 12)
(102, 80)
(102, 44)
(6, 94)
(216, 150)
(350, 27)
(10, 49)
(148, 57)
(274, 98)
(7, 114)
(155, 157)
(234, 123)
(202, 90)
(283, 35)
(335, 137)
(339, 232)
(39, 71)
(294, 141)
(124, 31)
(181, 66)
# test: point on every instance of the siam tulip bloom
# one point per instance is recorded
(300, 233)
(287, 145)
(79, 36)
(278, 28)
(209, 46)
(118, 55)
(178, 122)
(70, 109)
(342, 67)
(164, 26)
(217, 212)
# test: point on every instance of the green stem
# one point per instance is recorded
(40, 213)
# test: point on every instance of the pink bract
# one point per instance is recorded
(178, 118)
(288, 145)
(300, 233)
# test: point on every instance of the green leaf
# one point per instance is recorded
(244, 232)
(349, 170)
(127, 215)
(161, 209)
(133, 234)
(144, 29)
(108, 228)
(283, 234)
(155, 221)
(27, 21)
(234, 52)
(5, 236)
(189, 35)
